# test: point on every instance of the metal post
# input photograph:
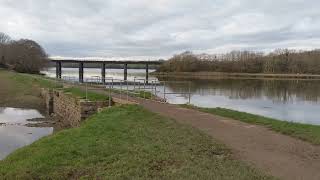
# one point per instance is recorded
(164, 91)
(58, 69)
(109, 95)
(86, 91)
(134, 84)
(81, 72)
(144, 89)
(127, 91)
(120, 89)
(103, 73)
(125, 72)
(147, 73)
(189, 98)
(155, 89)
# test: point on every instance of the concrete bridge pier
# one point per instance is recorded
(81, 72)
(103, 73)
(58, 69)
(125, 72)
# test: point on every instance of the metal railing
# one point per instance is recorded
(139, 87)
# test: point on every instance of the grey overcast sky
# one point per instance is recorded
(161, 28)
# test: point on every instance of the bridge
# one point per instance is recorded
(103, 63)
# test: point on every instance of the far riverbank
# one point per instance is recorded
(215, 75)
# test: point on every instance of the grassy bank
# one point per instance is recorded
(17, 91)
(29, 82)
(81, 94)
(126, 142)
(310, 133)
(133, 93)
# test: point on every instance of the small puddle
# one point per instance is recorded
(15, 130)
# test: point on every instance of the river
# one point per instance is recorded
(14, 130)
(288, 100)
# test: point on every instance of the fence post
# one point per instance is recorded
(86, 91)
(109, 95)
(189, 101)
(144, 89)
(164, 91)
(134, 84)
(120, 89)
(155, 90)
(127, 91)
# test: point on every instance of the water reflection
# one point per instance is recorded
(13, 132)
(290, 100)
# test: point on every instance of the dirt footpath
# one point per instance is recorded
(276, 154)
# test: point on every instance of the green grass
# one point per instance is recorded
(134, 93)
(43, 82)
(306, 132)
(143, 94)
(126, 142)
(29, 79)
(79, 93)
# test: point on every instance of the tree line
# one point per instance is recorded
(282, 61)
(23, 55)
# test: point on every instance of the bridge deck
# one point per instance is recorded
(105, 61)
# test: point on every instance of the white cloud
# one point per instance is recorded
(143, 28)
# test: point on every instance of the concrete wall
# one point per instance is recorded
(70, 109)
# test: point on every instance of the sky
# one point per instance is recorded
(161, 28)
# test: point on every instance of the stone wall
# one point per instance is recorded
(70, 109)
(48, 98)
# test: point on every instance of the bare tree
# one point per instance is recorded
(278, 61)
(27, 56)
(4, 38)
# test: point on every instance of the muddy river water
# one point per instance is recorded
(15, 131)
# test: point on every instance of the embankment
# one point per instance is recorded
(70, 109)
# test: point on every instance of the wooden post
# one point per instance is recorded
(147, 73)
(58, 70)
(125, 72)
(81, 72)
(103, 73)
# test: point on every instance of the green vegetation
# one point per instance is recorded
(82, 94)
(306, 132)
(134, 93)
(37, 80)
(19, 91)
(126, 142)
(31, 80)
